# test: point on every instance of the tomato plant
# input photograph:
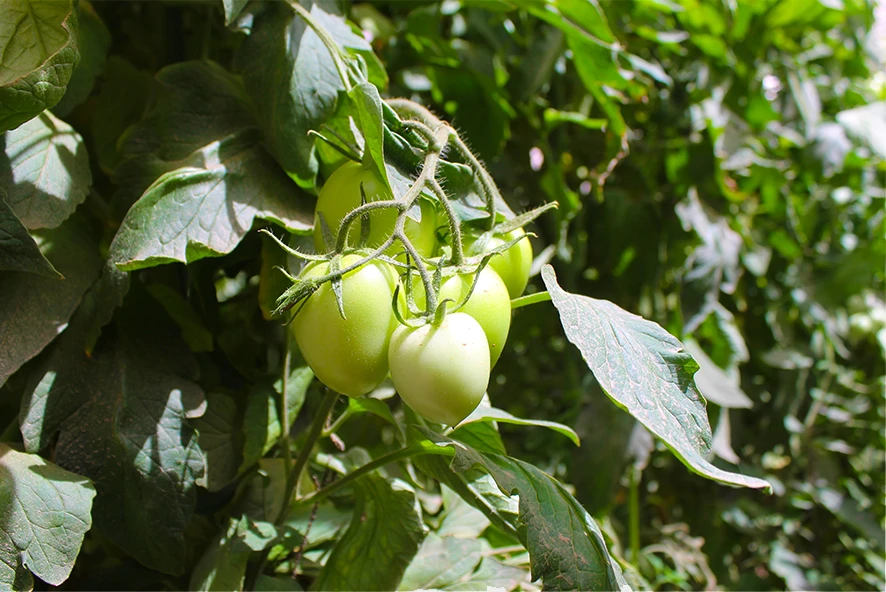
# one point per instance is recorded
(351, 355)
(342, 193)
(513, 265)
(441, 371)
(703, 182)
(488, 304)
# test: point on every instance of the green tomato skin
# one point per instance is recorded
(341, 194)
(514, 264)
(349, 355)
(442, 371)
(489, 305)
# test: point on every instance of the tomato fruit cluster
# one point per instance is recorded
(440, 367)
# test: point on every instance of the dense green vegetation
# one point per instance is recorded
(719, 169)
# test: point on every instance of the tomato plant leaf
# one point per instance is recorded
(214, 176)
(18, 251)
(38, 54)
(218, 434)
(292, 78)
(645, 371)
(383, 537)
(440, 562)
(367, 104)
(120, 416)
(44, 169)
(35, 309)
(566, 547)
(44, 514)
(93, 41)
(490, 414)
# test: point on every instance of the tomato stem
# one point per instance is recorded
(530, 299)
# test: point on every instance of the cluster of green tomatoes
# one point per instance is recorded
(439, 361)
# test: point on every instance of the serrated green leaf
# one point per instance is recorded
(645, 371)
(223, 564)
(292, 78)
(44, 170)
(93, 41)
(34, 309)
(192, 213)
(205, 176)
(383, 537)
(566, 547)
(38, 54)
(44, 515)
(120, 419)
(18, 251)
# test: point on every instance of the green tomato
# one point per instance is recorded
(349, 355)
(489, 304)
(341, 194)
(441, 371)
(513, 265)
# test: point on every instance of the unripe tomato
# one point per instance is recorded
(513, 265)
(441, 371)
(341, 194)
(489, 304)
(349, 355)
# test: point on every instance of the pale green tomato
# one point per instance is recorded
(349, 355)
(341, 194)
(489, 305)
(514, 264)
(442, 371)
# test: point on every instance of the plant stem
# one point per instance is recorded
(284, 403)
(304, 454)
(530, 299)
(381, 461)
(635, 516)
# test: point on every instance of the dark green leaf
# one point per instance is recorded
(214, 176)
(121, 101)
(34, 309)
(292, 78)
(566, 547)
(44, 514)
(645, 371)
(44, 170)
(18, 251)
(383, 537)
(93, 41)
(38, 54)
(219, 439)
(120, 419)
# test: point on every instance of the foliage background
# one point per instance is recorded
(719, 168)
